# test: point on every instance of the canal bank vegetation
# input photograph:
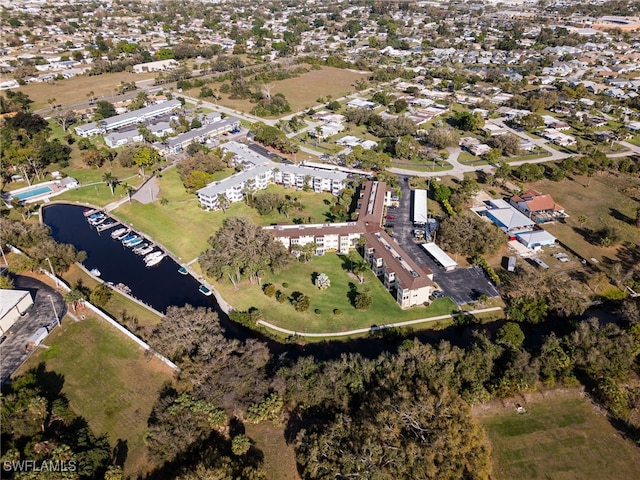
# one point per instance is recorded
(123, 309)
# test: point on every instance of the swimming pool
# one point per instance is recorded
(34, 192)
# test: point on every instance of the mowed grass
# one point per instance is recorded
(562, 438)
(299, 278)
(603, 200)
(303, 91)
(118, 302)
(76, 89)
(108, 380)
(279, 460)
(184, 228)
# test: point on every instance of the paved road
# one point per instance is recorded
(463, 285)
(13, 352)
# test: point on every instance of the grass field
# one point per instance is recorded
(302, 91)
(558, 438)
(118, 302)
(169, 223)
(279, 458)
(299, 276)
(108, 380)
(76, 89)
(593, 203)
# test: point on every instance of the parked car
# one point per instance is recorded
(390, 217)
(437, 294)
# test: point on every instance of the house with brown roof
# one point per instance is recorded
(534, 204)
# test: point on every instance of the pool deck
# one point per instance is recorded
(55, 187)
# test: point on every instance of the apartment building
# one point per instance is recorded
(126, 119)
(410, 284)
(258, 171)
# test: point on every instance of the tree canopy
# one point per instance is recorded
(243, 249)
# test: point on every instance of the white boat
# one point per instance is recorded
(155, 260)
(95, 272)
(106, 226)
(131, 239)
(145, 250)
(98, 220)
(152, 255)
(123, 235)
(89, 211)
(118, 232)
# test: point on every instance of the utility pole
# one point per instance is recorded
(53, 305)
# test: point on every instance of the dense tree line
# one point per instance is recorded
(35, 239)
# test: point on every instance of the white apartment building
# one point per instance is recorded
(259, 171)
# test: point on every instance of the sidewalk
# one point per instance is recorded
(374, 328)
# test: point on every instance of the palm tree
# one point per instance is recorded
(128, 189)
(73, 297)
(223, 201)
(110, 180)
(359, 268)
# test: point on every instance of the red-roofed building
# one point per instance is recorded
(535, 204)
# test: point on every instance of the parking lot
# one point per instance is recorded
(462, 285)
(13, 352)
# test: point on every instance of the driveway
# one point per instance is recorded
(462, 285)
(13, 352)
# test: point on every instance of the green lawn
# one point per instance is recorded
(118, 302)
(170, 223)
(593, 203)
(299, 276)
(527, 156)
(108, 380)
(561, 438)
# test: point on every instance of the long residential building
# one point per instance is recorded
(198, 135)
(409, 283)
(259, 171)
(126, 119)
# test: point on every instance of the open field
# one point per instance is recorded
(169, 223)
(279, 458)
(108, 380)
(302, 91)
(561, 436)
(299, 277)
(76, 89)
(593, 203)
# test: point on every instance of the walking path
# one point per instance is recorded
(374, 328)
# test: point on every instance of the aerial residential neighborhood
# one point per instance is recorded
(313, 239)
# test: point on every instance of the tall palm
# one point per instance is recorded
(359, 268)
(223, 201)
(110, 180)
